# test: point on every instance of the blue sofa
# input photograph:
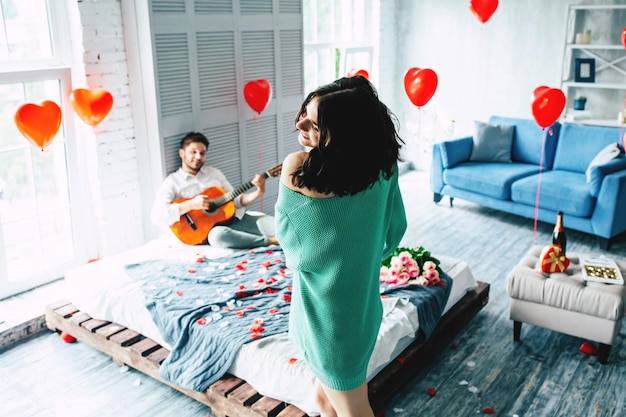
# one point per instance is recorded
(590, 193)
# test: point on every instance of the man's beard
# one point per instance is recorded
(192, 168)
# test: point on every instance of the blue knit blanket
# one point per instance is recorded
(206, 309)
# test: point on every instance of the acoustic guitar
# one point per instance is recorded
(194, 226)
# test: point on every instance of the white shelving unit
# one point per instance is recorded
(606, 95)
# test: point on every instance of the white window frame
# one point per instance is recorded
(369, 44)
(58, 68)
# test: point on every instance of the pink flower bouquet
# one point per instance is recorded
(410, 266)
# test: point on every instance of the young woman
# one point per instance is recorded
(339, 214)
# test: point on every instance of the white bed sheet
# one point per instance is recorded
(103, 290)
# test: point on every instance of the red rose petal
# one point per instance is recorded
(67, 338)
(274, 311)
(269, 252)
(191, 271)
(588, 348)
(453, 346)
(179, 293)
(201, 321)
(292, 361)
(242, 287)
(250, 308)
(400, 359)
(240, 267)
(255, 335)
(226, 308)
(200, 260)
(489, 410)
(240, 313)
(431, 391)
(287, 297)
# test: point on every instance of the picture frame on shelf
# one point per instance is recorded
(585, 70)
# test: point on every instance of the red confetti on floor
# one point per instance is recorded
(489, 410)
(588, 348)
(431, 391)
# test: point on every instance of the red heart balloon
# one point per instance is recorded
(548, 106)
(624, 37)
(483, 9)
(258, 94)
(420, 85)
(92, 106)
(39, 123)
(539, 90)
(354, 72)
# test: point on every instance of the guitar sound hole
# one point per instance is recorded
(212, 207)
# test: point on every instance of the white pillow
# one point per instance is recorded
(607, 154)
(492, 143)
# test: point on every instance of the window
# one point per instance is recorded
(339, 35)
(37, 225)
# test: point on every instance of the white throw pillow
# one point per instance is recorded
(607, 154)
(492, 143)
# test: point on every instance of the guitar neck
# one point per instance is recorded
(231, 195)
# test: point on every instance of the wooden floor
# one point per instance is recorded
(544, 375)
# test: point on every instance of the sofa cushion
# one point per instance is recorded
(492, 143)
(598, 172)
(579, 144)
(564, 191)
(492, 179)
(528, 138)
(606, 155)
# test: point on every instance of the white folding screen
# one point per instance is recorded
(205, 51)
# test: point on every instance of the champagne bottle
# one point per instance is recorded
(558, 235)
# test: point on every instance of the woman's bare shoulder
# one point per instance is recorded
(292, 162)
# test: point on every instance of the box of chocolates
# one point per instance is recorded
(601, 270)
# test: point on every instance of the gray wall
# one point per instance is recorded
(483, 69)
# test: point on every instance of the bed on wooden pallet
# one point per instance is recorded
(106, 309)
(232, 396)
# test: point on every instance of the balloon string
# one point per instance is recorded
(260, 152)
(622, 134)
(543, 142)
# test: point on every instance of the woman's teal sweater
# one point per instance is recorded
(335, 247)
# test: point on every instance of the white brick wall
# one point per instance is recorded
(118, 197)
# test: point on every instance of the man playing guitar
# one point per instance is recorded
(184, 203)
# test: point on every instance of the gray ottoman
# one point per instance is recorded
(564, 302)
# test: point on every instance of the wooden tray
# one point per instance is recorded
(233, 397)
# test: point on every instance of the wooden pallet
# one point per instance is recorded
(233, 397)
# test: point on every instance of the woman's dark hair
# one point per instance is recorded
(358, 139)
(193, 137)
